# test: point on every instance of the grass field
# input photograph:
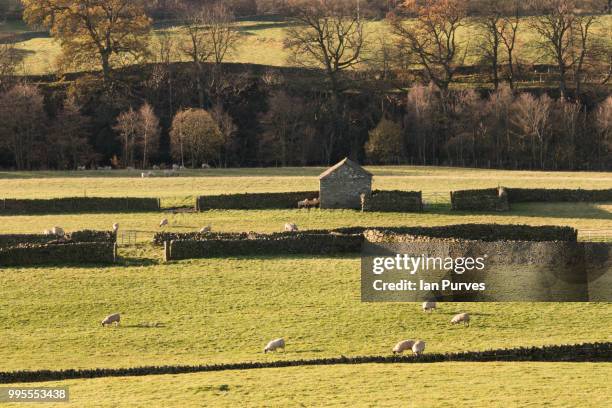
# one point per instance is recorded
(416, 385)
(224, 310)
(262, 42)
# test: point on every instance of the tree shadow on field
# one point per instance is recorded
(459, 311)
(265, 26)
(307, 351)
(151, 325)
(22, 37)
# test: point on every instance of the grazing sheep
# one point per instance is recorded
(429, 306)
(206, 166)
(147, 174)
(47, 232)
(175, 167)
(163, 223)
(403, 346)
(275, 345)
(308, 204)
(461, 318)
(115, 227)
(206, 229)
(290, 227)
(58, 231)
(114, 318)
(418, 348)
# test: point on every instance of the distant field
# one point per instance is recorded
(448, 385)
(225, 310)
(262, 42)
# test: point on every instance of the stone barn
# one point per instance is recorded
(341, 186)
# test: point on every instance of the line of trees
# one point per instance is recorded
(394, 103)
(503, 130)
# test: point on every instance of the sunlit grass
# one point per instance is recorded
(225, 310)
(262, 42)
(414, 385)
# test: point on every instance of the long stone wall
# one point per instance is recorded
(78, 205)
(59, 254)
(499, 199)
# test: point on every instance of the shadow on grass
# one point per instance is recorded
(266, 26)
(22, 37)
(533, 210)
(271, 257)
(151, 325)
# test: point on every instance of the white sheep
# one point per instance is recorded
(163, 223)
(403, 346)
(291, 227)
(146, 175)
(418, 348)
(206, 229)
(429, 306)
(114, 318)
(58, 231)
(47, 232)
(275, 345)
(461, 318)
(115, 227)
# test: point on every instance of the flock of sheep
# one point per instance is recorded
(417, 347)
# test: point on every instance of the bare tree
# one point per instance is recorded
(508, 33)
(327, 34)
(228, 130)
(422, 121)
(22, 124)
(531, 117)
(127, 127)
(223, 33)
(432, 38)
(564, 37)
(211, 34)
(284, 125)
(499, 22)
(603, 124)
(148, 132)
(67, 139)
(165, 53)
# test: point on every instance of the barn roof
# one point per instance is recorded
(346, 162)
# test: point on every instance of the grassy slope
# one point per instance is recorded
(441, 385)
(262, 43)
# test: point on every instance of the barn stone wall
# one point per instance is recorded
(343, 188)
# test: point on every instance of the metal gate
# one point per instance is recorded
(127, 237)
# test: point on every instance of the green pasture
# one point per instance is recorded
(448, 385)
(224, 310)
(262, 42)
